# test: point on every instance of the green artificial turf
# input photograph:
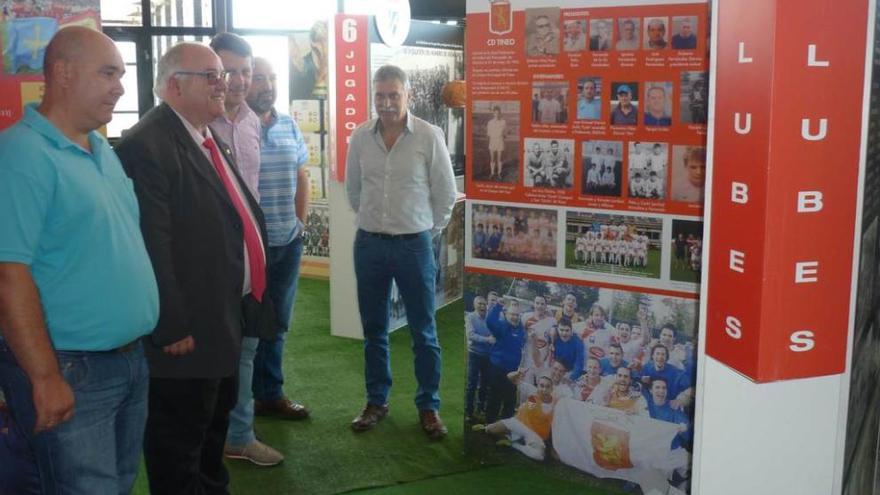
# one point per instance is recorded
(324, 456)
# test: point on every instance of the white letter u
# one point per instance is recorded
(738, 128)
(805, 130)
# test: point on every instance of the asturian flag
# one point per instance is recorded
(26, 40)
(608, 443)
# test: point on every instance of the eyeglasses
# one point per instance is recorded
(542, 26)
(213, 77)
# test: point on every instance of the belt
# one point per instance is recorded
(391, 237)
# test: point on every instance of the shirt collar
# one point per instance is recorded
(39, 123)
(193, 132)
(244, 112)
(377, 125)
(273, 119)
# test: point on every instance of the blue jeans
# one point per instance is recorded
(241, 418)
(98, 450)
(478, 366)
(283, 275)
(409, 261)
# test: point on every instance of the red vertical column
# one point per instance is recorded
(352, 84)
(739, 189)
(785, 187)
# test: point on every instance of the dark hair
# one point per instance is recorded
(231, 42)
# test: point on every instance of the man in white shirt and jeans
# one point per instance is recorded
(399, 181)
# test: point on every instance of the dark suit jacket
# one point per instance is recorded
(195, 240)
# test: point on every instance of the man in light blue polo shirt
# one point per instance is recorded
(77, 290)
(284, 198)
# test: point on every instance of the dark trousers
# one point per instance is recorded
(502, 395)
(477, 384)
(186, 431)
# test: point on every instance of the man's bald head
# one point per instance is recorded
(71, 44)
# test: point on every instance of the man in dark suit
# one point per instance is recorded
(205, 236)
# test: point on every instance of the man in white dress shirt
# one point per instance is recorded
(400, 183)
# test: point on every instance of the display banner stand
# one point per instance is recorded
(584, 180)
(788, 140)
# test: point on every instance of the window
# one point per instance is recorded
(125, 115)
(274, 14)
(181, 13)
(121, 12)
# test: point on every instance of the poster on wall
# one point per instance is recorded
(432, 55)
(25, 30)
(585, 184)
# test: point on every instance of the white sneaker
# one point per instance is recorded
(257, 452)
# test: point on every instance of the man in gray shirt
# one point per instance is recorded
(400, 183)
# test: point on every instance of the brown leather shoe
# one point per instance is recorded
(432, 424)
(368, 418)
(283, 408)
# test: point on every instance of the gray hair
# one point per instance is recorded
(389, 72)
(168, 65)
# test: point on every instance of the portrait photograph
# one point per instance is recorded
(513, 234)
(600, 34)
(693, 99)
(613, 244)
(575, 35)
(658, 104)
(688, 174)
(542, 32)
(589, 98)
(656, 33)
(495, 127)
(548, 163)
(624, 103)
(684, 32)
(648, 162)
(687, 251)
(628, 34)
(549, 102)
(602, 168)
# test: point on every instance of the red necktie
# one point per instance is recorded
(252, 242)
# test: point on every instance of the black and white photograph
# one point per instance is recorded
(628, 34)
(600, 34)
(688, 173)
(548, 163)
(648, 162)
(495, 128)
(428, 69)
(612, 370)
(602, 168)
(693, 99)
(514, 234)
(542, 32)
(613, 244)
(549, 102)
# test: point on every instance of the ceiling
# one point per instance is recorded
(437, 9)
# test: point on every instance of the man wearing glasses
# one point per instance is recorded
(205, 234)
(544, 39)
